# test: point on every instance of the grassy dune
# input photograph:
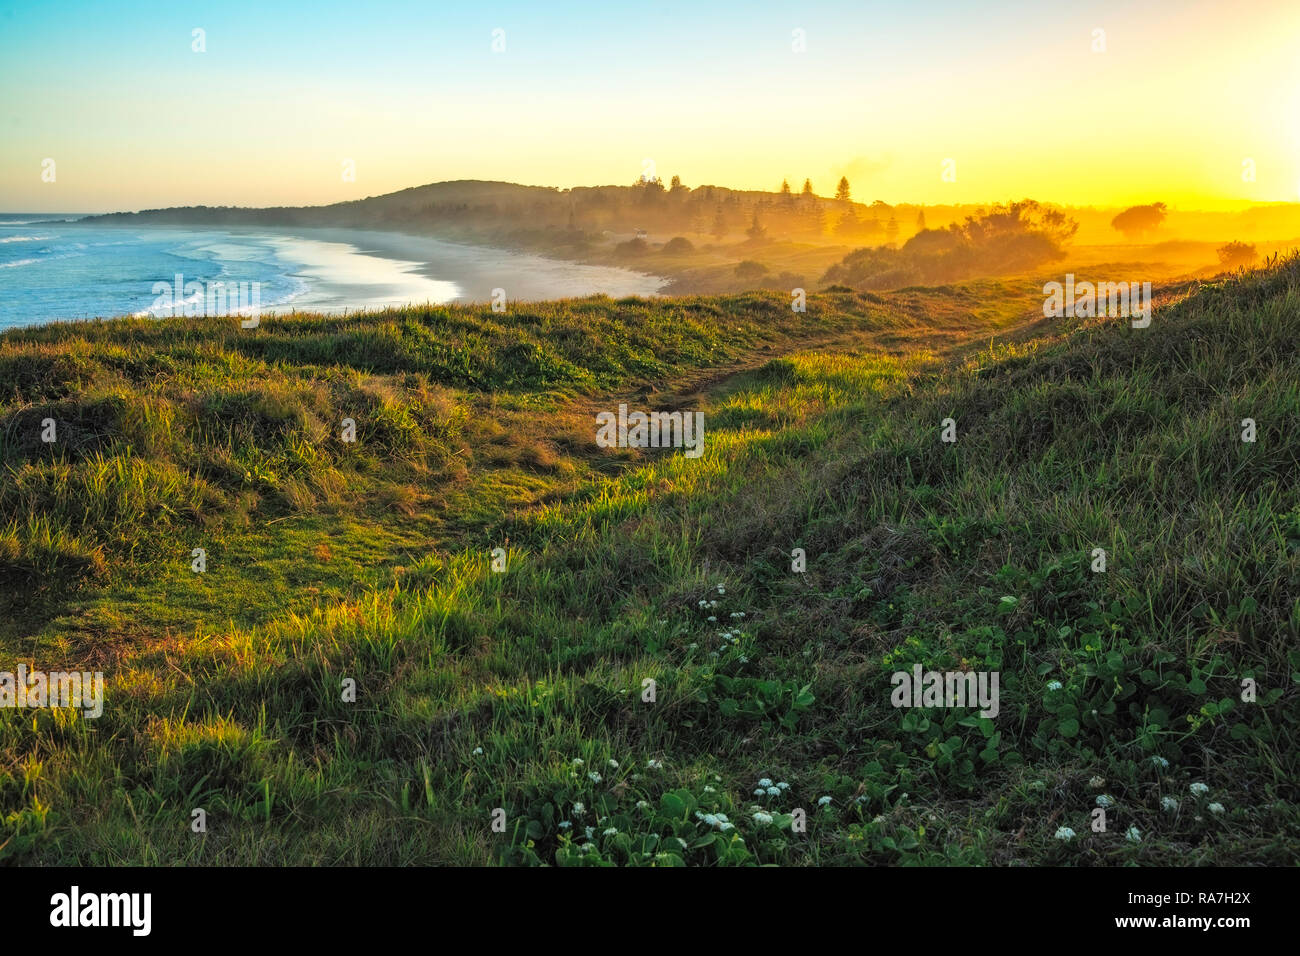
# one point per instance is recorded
(479, 690)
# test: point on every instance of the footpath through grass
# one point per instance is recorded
(530, 690)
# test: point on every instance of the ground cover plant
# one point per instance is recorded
(569, 655)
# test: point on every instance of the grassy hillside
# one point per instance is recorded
(525, 690)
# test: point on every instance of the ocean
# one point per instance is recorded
(55, 268)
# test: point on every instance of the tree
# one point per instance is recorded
(1136, 221)
(720, 224)
(756, 230)
(920, 221)
(676, 185)
(785, 188)
(1237, 255)
(807, 189)
(842, 190)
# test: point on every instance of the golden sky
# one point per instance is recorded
(1014, 94)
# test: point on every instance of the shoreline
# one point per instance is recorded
(475, 270)
(325, 269)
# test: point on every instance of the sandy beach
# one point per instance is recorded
(353, 269)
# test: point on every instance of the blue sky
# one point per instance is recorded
(285, 93)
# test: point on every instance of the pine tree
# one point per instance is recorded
(842, 190)
(920, 221)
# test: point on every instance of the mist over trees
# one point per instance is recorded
(492, 211)
(1011, 237)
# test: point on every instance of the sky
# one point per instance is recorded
(1196, 104)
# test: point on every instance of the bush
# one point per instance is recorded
(1237, 255)
(633, 247)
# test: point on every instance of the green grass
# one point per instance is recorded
(479, 690)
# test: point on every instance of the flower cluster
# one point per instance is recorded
(766, 788)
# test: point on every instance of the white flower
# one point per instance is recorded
(654, 765)
(1064, 833)
(710, 819)
(722, 817)
(721, 589)
(1097, 783)
(762, 819)
(1160, 762)
(759, 792)
(565, 824)
(1199, 789)
(712, 618)
(1215, 808)
(737, 615)
(724, 826)
(765, 782)
(823, 801)
(1168, 803)
(611, 831)
(774, 791)
(579, 809)
(577, 761)
(1104, 801)
(1054, 685)
(478, 750)
(709, 788)
(783, 785)
(591, 832)
(584, 848)
(594, 777)
(744, 660)
(614, 764)
(642, 805)
(1134, 835)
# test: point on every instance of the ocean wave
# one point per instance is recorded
(24, 239)
(17, 262)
